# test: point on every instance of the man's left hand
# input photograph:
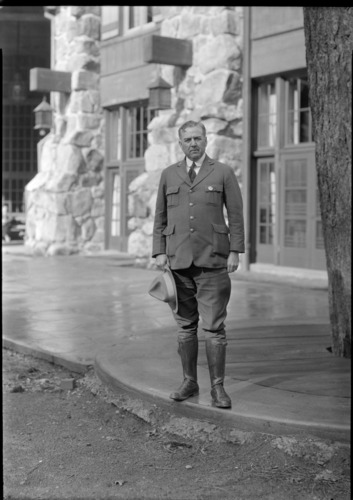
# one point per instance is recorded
(233, 262)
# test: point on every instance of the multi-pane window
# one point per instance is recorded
(299, 126)
(128, 129)
(267, 115)
(119, 20)
(19, 153)
(267, 201)
(295, 203)
(137, 120)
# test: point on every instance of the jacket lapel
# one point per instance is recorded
(182, 172)
(206, 168)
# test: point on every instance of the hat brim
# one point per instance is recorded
(169, 283)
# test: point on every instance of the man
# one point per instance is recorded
(191, 236)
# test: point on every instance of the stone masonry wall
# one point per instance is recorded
(210, 90)
(65, 200)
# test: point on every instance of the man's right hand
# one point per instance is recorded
(161, 260)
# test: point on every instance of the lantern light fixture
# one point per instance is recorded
(43, 117)
(159, 94)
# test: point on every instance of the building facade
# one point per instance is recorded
(241, 70)
(24, 43)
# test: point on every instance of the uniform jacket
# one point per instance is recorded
(189, 224)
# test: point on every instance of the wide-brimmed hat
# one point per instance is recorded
(164, 288)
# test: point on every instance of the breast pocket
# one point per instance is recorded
(173, 196)
(221, 244)
(214, 194)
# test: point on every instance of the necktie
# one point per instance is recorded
(192, 173)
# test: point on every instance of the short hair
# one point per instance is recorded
(189, 124)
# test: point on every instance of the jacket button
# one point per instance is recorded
(192, 230)
(192, 217)
(191, 204)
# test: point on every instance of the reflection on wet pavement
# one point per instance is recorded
(78, 305)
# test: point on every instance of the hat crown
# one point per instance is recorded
(163, 288)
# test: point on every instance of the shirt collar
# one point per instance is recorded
(199, 162)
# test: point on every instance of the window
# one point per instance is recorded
(299, 126)
(295, 203)
(138, 118)
(119, 20)
(267, 202)
(267, 115)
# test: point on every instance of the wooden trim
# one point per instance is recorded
(48, 80)
(165, 50)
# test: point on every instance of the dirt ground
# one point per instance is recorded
(61, 442)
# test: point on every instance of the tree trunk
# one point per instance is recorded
(329, 45)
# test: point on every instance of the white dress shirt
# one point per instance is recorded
(198, 163)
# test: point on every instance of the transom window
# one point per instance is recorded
(267, 115)
(127, 126)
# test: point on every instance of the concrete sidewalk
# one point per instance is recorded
(81, 311)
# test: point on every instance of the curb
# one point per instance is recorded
(219, 418)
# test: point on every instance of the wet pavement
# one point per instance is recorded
(83, 311)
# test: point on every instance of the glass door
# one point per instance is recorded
(266, 211)
(301, 242)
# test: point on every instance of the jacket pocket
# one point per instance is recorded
(214, 194)
(221, 245)
(168, 232)
(173, 196)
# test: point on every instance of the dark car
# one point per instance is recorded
(13, 229)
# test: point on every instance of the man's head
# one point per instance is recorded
(192, 139)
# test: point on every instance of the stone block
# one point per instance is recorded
(227, 21)
(147, 228)
(98, 191)
(221, 51)
(56, 249)
(88, 121)
(136, 206)
(61, 182)
(79, 138)
(38, 182)
(170, 26)
(139, 244)
(85, 45)
(81, 101)
(213, 87)
(94, 160)
(156, 157)
(224, 149)
(79, 202)
(70, 159)
(215, 125)
(88, 229)
(89, 24)
(190, 25)
(89, 179)
(98, 207)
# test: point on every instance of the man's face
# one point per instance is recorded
(193, 143)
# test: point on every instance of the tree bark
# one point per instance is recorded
(329, 45)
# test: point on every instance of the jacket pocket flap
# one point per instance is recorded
(173, 189)
(167, 231)
(218, 188)
(220, 228)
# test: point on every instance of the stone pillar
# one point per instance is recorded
(65, 200)
(210, 90)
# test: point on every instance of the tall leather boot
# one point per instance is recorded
(216, 357)
(188, 351)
